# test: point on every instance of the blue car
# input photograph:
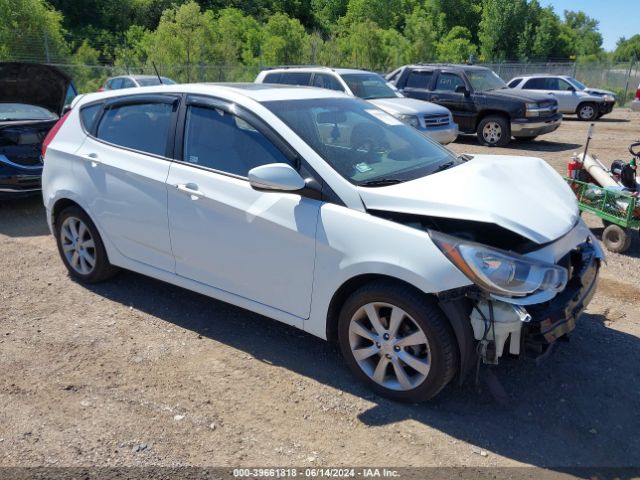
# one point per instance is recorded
(32, 99)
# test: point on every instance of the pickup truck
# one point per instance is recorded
(480, 101)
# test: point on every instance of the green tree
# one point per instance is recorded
(179, 39)
(464, 13)
(456, 46)
(327, 12)
(501, 23)
(362, 45)
(422, 30)
(284, 41)
(86, 76)
(587, 38)
(385, 13)
(31, 30)
(627, 49)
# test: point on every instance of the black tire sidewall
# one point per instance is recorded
(426, 313)
(504, 125)
(624, 239)
(103, 269)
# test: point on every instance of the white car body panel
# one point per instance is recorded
(286, 255)
(460, 192)
(272, 234)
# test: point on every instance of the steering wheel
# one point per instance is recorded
(366, 141)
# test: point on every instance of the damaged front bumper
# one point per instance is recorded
(548, 321)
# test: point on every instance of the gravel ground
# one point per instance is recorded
(137, 372)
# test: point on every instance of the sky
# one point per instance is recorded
(618, 18)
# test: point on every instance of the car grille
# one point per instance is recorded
(431, 121)
(548, 108)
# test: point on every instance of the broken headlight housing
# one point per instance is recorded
(498, 271)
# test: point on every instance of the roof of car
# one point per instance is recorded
(314, 68)
(136, 77)
(538, 75)
(259, 92)
(448, 65)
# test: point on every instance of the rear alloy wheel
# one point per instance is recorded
(494, 131)
(397, 341)
(587, 111)
(81, 247)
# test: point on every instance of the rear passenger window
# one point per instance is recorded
(115, 84)
(322, 80)
(143, 127)
(419, 79)
(449, 82)
(222, 141)
(88, 116)
(296, 78)
(536, 84)
(272, 78)
(514, 83)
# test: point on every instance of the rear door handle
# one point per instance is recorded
(191, 189)
(93, 158)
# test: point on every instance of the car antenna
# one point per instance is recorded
(157, 74)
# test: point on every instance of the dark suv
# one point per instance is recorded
(480, 101)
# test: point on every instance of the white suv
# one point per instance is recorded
(433, 121)
(320, 210)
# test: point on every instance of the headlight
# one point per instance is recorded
(532, 110)
(410, 120)
(500, 272)
(609, 98)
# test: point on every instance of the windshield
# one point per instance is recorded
(22, 111)
(482, 80)
(576, 83)
(368, 85)
(365, 145)
(149, 82)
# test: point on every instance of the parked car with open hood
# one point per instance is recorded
(574, 98)
(32, 99)
(430, 119)
(480, 101)
(416, 261)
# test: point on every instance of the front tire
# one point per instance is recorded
(494, 131)
(587, 111)
(397, 341)
(81, 247)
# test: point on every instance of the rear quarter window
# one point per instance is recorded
(88, 116)
(514, 83)
(143, 127)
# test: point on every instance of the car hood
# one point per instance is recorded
(599, 91)
(517, 94)
(408, 106)
(33, 84)
(522, 194)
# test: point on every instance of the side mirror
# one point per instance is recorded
(277, 177)
(462, 89)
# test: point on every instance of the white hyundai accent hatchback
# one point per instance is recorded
(328, 214)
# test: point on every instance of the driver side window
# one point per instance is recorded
(219, 140)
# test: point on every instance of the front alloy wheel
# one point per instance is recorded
(389, 346)
(397, 341)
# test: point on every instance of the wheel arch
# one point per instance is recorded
(487, 113)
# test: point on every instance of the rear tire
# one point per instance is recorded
(616, 239)
(397, 341)
(81, 247)
(587, 111)
(494, 131)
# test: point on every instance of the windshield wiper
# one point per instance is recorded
(444, 166)
(381, 182)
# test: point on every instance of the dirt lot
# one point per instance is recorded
(137, 372)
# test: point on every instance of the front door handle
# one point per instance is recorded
(191, 189)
